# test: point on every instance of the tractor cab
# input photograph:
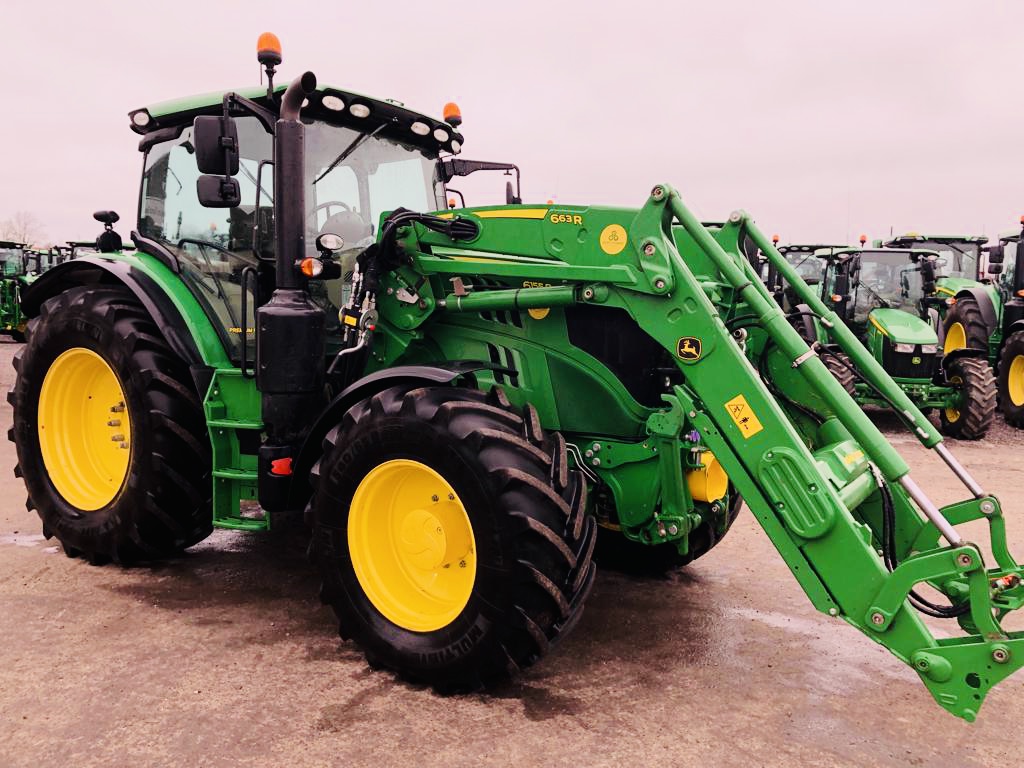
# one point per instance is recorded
(364, 158)
(12, 258)
(959, 255)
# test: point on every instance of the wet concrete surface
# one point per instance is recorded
(225, 657)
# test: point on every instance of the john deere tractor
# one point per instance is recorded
(888, 298)
(1006, 344)
(459, 398)
(15, 260)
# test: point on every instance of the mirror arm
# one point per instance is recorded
(241, 104)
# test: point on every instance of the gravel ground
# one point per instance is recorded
(225, 657)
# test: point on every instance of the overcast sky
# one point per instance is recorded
(823, 119)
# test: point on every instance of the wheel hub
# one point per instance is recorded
(1015, 381)
(411, 545)
(84, 429)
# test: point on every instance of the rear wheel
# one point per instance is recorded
(452, 539)
(110, 434)
(1011, 380)
(972, 417)
(964, 326)
(616, 552)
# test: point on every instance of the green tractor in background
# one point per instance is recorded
(889, 298)
(970, 307)
(1006, 344)
(458, 399)
(15, 259)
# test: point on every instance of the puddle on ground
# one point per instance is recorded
(21, 539)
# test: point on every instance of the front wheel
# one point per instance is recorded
(109, 430)
(1011, 380)
(975, 410)
(964, 326)
(452, 538)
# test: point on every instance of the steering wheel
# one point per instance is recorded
(327, 205)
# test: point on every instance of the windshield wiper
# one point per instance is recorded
(358, 142)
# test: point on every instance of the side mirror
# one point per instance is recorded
(216, 143)
(996, 254)
(995, 269)
(218, 192)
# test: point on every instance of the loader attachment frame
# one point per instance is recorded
(830, 544)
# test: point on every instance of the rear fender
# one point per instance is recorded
(148, 286)
(443, 374)
(989, 313)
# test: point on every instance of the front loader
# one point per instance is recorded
(458, 399)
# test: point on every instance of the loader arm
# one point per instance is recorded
(833, 495)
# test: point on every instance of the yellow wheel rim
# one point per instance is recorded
(953, 414)
(84, 429)
(1015, 381)
(956, 338)
(412, 545)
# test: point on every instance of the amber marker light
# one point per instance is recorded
(863, 239)
(775, 239)
(311, 267)
(452, 114)
(268, 49)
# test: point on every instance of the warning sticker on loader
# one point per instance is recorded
(741, 413)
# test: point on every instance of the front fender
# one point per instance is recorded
(956, 354)
(427, 375)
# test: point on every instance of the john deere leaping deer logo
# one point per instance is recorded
(688, 348)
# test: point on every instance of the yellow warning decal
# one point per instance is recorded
(741, 413)
(853, 457)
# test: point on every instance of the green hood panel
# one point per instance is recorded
(951, 286)
(902, 327)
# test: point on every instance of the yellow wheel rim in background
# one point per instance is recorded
(956, 338)
(412, 545)
(1015, 381)
(953, 414)
(84, 429)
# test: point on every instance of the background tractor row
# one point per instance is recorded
(459, 399)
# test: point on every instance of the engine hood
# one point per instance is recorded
(902, 328)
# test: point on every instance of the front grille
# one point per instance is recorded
(907, 365)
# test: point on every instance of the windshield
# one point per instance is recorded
(11, 261)
(955, 259)
(350, 178)
(887, 278)
(808, 264)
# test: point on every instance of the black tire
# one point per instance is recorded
(977, 410)
(617, 553)
(1011, 380)
(527, 511)
(163, 504)
(18, 336)
(840, 366)
(967, 314)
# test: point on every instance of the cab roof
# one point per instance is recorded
(916, 237)
(328, 103)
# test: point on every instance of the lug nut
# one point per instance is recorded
(659, 284)
(434, 498)
(595, 462)
(673, 529)
(117, 408)
(117, 438)
(1000, 655)
(114, 423)
(649, 249)
(877, 619)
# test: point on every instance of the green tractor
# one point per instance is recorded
(15, 260)
(1006, 265)
(888, 297)
(969, 308)
(458, 399)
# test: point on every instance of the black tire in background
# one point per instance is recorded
(840, 366)
(1011, 380)
(971, 421)
(163, 505)
(534, 540)
(967, 315)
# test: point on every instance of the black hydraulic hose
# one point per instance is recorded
(297, 92)
(891, 562)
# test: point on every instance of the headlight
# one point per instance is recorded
(929, 349)
(905, 348)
